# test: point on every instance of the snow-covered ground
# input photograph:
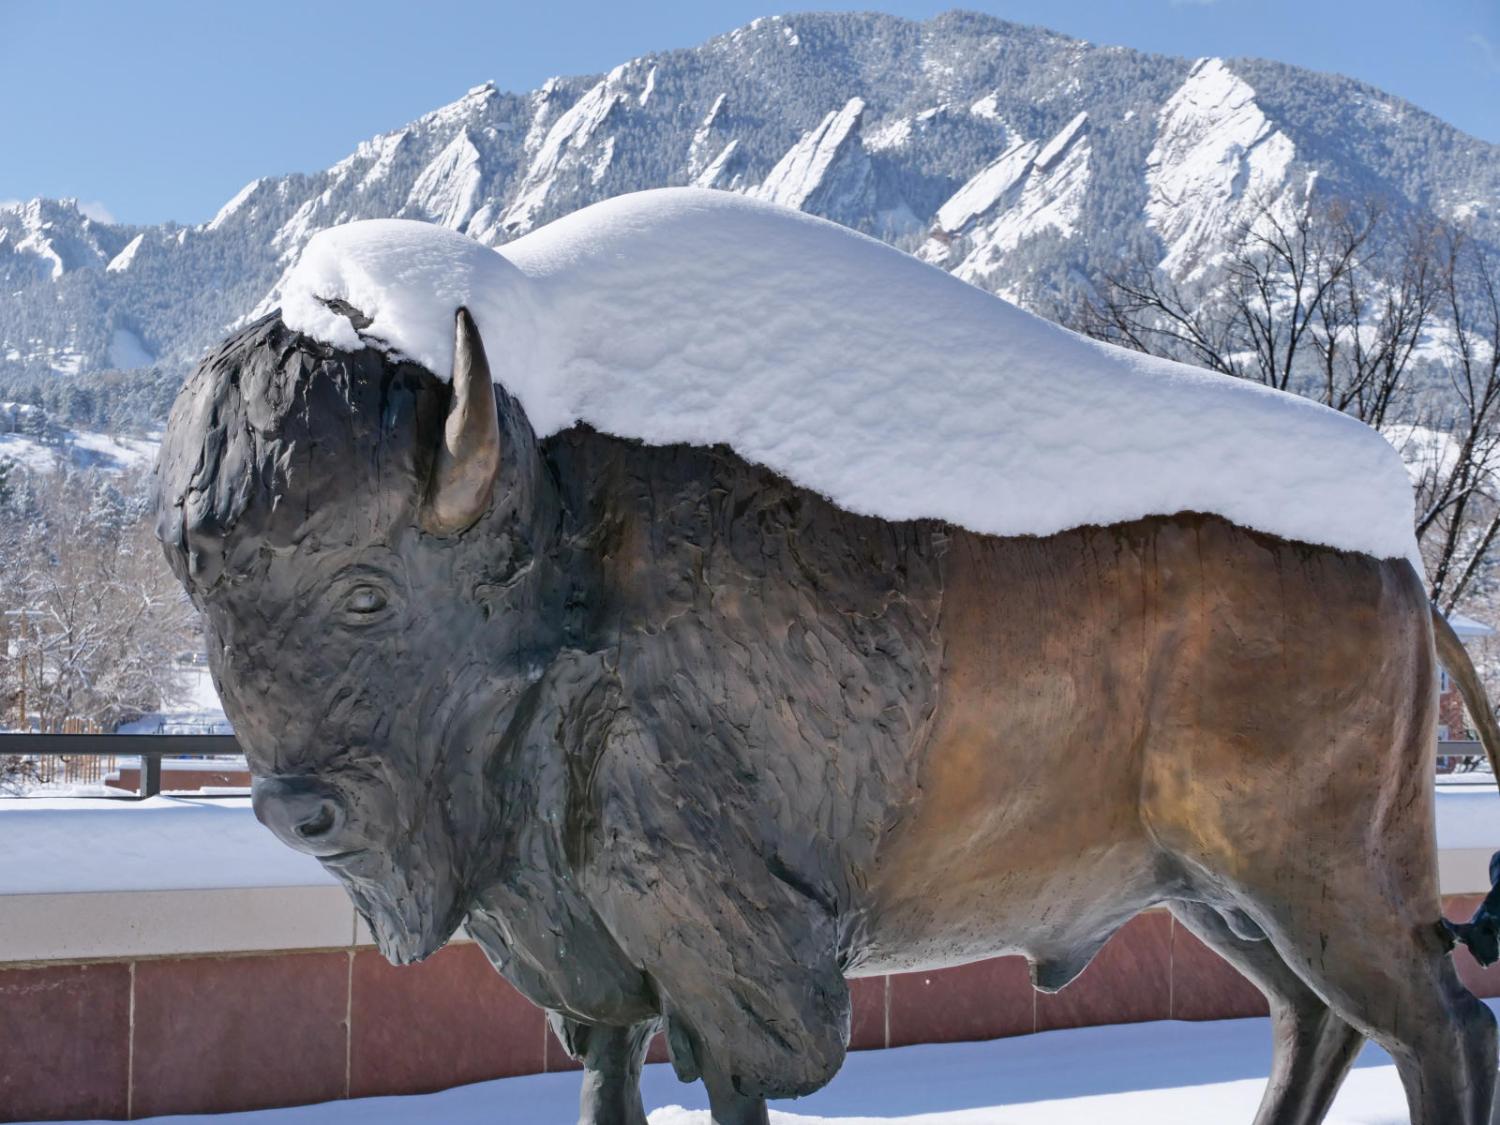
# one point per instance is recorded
(1168, 1073)
(56, 845)
(84, 449)
(178, 843)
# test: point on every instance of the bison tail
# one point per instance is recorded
(1481, 933)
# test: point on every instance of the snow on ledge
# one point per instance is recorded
(90, 879)
(75, 845)
(683, 315)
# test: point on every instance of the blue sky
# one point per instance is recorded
(162, 109)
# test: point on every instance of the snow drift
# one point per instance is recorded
(685, 315)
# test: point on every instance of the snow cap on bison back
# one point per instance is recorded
(686, 315)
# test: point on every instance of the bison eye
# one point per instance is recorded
(363, 600)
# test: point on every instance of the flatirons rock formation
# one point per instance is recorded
(1022, 160)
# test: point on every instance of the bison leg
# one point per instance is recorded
(1366, 938)
(1314, 1047)
(692, 1061)
(743, 950)
(1398, 986)
(612, 1059)
(727, 1106)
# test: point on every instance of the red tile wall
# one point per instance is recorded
(1205, 986)
(985, 1000)
(215, 1034)
(448, 1021)
(1451, 713)
(281, 1040)
(1481, 982)
(1128, 981)
(181, 781)
(867, 997)
(64, 1042)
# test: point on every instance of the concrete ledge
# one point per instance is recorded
(364, 939)
(1464, 871)
(127, 924)
(105, 925)
(122, 925)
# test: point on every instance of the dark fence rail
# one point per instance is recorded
(150, 748)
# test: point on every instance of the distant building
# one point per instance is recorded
(1453, 720)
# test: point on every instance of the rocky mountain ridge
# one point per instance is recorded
(1022, 160)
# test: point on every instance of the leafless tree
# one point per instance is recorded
(95, 619)
(1458, 492)
(1326, 302)
(1393, 323)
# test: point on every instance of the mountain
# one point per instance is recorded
(1023, 160)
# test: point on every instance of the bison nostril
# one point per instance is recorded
(320, 824)
(308, 814)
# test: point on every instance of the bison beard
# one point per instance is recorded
(688, 743)
(397, 905)
(408, 899)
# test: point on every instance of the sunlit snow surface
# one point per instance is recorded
(82, 449)
(1142, 1074)
(54, 845)
(683, 315)
(67, 845)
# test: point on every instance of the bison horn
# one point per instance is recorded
(468, 461)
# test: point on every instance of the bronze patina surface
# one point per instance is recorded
(684, 743)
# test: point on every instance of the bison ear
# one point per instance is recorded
(468, 461)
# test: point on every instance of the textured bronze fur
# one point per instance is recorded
(684, 742)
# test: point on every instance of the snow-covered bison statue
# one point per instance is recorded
(770, 608)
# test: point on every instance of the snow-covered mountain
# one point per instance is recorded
(1028, 189)
(1022, 160)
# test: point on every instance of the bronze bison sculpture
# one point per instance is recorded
(684, 745)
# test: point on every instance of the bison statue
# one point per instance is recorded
(685, 743)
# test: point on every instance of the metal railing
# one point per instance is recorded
(1460, 748)
(150, 748)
